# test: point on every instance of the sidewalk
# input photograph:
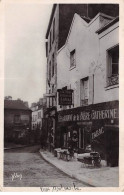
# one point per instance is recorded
(96, 177)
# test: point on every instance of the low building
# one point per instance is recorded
(17, 121)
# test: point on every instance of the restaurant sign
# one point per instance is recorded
(97, 133)
(92, 114)
(65, 96)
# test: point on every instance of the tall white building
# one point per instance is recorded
(88, 64)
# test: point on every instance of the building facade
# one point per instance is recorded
(88, 65)
(67, 44)
(37, 117)
(17, 121)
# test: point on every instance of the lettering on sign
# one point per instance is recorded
(65, 97)
(97, 133)
(104, 114)
(92, 115)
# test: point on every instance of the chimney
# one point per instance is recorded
(19, 99)
(41, 101)
(33, 104)
(8, 98)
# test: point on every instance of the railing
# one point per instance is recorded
(113, 80)
(84, 102)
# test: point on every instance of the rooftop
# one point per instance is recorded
(15, 104)
(87, 19)
(108, 25)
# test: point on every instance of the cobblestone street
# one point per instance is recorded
(26, 168)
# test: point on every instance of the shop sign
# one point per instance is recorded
(97, 133)
(65, 96)
(90, 115)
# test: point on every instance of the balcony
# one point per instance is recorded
(113, 80)
(84, 102)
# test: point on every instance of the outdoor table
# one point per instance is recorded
(60, 153)
(56, 150)
(92, 158)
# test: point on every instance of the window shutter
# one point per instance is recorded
(91, 89)
(77, 94)
(86, 89)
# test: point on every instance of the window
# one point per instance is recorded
(39, 115)
(52, 65)
(50, 42)
(50, 70)
(46, 49)
(84, 91)
(65, 139)
(52, 101)
(53, 30)
(72, 59)
(113, 66)
(52, 88)
(81, 138)
(17, 119)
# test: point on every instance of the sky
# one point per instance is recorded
(25, 58)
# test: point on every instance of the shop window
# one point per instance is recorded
(84, 91)
(51, 103)
(65, 139)
(17, 119)
(72, 59)
(85, 137)
(113, 66)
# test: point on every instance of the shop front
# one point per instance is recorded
(94, 127)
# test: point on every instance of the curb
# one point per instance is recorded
(75, 176)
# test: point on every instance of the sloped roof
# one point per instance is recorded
(87, 19)
(15, 104)
(108, 25)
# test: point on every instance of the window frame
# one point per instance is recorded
(73, 59)
(112, 79)
(53, 37)
(15, 119)
(50, 36)
(53, 67)
(49, 70)
(84, 97)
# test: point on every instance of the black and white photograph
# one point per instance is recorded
(61, 95)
